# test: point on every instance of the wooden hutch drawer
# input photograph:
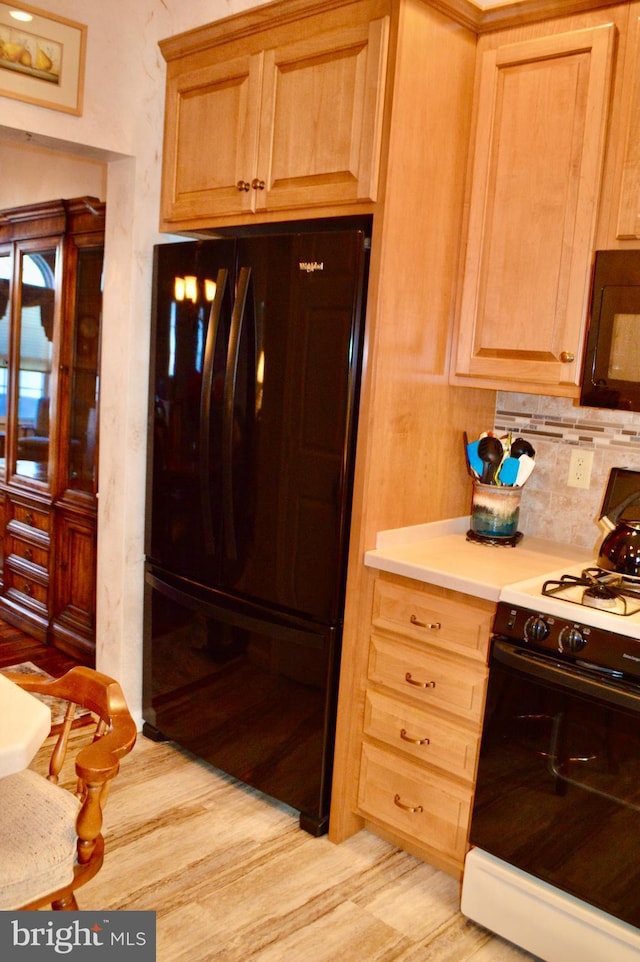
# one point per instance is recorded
(26, 590)
(453, 684)
(27, 516)
(403, 796)
(28, 552)
(424, 616)
(422, 734)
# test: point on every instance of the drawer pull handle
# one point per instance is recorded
(434, 625)
(29, 519)
(418, 684)
(415, 809)
(28, 590)
(28, 554)
(413, 741)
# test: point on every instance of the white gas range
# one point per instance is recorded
(581, 595)
(557, 816)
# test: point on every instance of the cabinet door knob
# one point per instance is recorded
(418, 684)
(28, 554)
(434, 625)
(243, 185)
(567, 357)
(416, 809)
(257, 184)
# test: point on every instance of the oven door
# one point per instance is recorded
(558, 790)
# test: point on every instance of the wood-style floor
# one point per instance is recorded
(16, 647)
(232, 877)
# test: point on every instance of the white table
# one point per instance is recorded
(25, 722)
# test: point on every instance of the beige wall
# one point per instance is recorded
(47, 175)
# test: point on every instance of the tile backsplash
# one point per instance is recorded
(556, 427)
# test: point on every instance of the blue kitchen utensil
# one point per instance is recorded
(474, 460)
(509, 471)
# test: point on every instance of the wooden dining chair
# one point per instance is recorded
(50, 835)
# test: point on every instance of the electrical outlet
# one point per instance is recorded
(580, 467)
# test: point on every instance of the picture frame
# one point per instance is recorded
(42, 58)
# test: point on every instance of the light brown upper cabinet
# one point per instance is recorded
(286, 119)
(619, 224)
(541, 113)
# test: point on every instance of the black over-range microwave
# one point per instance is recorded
(611, 371)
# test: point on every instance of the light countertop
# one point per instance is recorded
(439, 554)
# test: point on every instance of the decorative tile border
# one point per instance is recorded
(556, 419)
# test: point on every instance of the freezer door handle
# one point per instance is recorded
(205, 410)
(228, 423)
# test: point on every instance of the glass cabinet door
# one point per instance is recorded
(34, 351)
(82, 458)
(6, 270)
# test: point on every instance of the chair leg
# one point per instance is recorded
(66, 904)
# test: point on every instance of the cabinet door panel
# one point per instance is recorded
(321, 118)
(537, 167)
(75, 574)
(211, 139)
(628, 224)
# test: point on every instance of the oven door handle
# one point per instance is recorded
(570, 677)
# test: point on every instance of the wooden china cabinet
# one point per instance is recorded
(51, 257)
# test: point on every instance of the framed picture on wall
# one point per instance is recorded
(41, 58)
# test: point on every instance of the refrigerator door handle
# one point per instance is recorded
(237, 319)
(205, 410)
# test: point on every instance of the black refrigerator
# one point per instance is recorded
(255, 368)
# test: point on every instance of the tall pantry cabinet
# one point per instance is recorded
(50, 312)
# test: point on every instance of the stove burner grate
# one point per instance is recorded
(604, 590)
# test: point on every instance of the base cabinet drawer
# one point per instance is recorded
(422, 734)
(413, 801)
(425, 617)
(428, 676)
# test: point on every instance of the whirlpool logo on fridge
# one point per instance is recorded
(80, 936)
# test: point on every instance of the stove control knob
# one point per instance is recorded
(571, 640)
(535, 629)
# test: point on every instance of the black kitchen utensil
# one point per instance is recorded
(520, 447)
(490, 452)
